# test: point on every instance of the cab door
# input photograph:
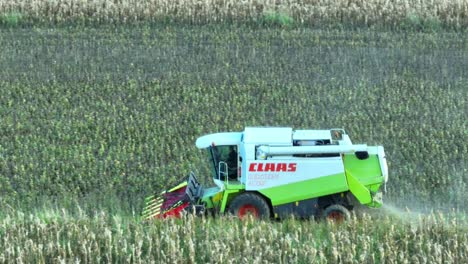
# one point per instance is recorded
(226, 161)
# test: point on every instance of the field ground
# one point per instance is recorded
(94, 118)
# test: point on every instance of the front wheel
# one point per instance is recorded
(249, 204)
(336, 213)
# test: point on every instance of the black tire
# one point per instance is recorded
(336, 213)
(250, 203)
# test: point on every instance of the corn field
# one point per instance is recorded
(101, 103)
(56, 237)
(114, 112)
(388, 13)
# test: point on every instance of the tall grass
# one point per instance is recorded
(393, 13)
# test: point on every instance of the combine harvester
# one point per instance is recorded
(275, 172)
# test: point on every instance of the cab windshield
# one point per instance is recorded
(223, 160)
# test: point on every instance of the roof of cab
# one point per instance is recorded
(258, 135)
(226, 138)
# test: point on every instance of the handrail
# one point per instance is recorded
(224, 172)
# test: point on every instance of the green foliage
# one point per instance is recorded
(426, 24)
(109, 113)
(280, 19)
(11, 19)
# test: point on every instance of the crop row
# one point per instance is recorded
(57, 237)
(105, 111)
(395, 13)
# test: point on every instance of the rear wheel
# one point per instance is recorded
(249, 204)
(336, 213)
